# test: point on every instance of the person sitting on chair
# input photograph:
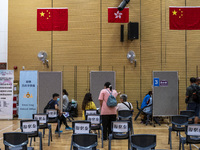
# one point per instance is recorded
(146, 99)
(87, 104)
(54, 105)
(124, 105)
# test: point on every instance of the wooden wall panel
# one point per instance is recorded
(92, 45)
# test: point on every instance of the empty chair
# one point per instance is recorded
(31, 128)
(16, 140)
(120, 130)
(192, 135)
(53, 118)
(178, 125)
(96, 124)
(143, 141)
(190, 114)
(126, 115)
(84, 141)
(139, 111)
(81, 126)
(43, 120)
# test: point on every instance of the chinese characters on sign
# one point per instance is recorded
(94, 119)
(82, 128)
(193, 130)
(28, 94)
(6, 94)
(52, 113)
(91, 112)
(41, 118)
(120, 126)
(30, 126)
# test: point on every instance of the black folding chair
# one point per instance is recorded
(80, 127)
(120, 130)
(16, 140)
(84, 141)
(192, 132)
(43, 120)
(178, 124)
(126, 115)
(190, 114)
(31, 128)
(143, 141)
(53, 118)
(96, 124)
(139, 111)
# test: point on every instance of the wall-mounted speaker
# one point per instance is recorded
(133, 32)
(122, 33)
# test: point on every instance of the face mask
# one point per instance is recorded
(58, 99)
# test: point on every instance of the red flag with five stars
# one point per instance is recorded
(116, 16)
(52, 19)
(184, 18)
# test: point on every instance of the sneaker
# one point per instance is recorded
(68, 128)
(57, 131)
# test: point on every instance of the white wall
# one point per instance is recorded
(3, 30)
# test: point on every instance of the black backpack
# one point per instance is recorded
(48, 106)
(195, 94)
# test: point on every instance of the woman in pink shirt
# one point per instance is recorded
(108, 113)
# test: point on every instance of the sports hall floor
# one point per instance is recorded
(63, 143)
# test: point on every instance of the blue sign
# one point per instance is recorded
(156, 82)
(27, 94)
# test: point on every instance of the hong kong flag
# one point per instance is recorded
(116, 16)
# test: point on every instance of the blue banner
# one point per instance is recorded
(28, 94)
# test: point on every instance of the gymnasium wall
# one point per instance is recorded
(93, 44)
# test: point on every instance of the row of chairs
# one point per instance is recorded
(30, 129)
(185, 123)
(120, 130)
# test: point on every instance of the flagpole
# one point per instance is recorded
(186, 52)
(100, 69)
(52, 43)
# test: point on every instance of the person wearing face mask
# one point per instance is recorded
(54, 105)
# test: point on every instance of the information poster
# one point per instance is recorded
(28, 94)
(6, 94)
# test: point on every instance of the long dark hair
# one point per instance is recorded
(150, 93)
(65, 92)
(87, 98)
(108, 85)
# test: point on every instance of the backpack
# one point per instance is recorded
(48, 106)
(196, 94)
(111, 102)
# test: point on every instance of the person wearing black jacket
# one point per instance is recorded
(192, 98)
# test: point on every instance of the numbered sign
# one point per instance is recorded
(42, 118)
(90, 112)
(193, 130)
(94, 119)
(52, 113)
(120, 126)
(30, 126)
(156, 82)
(81, 128)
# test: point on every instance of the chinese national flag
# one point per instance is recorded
(184, 18)
(116, 16)
(52, 19)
